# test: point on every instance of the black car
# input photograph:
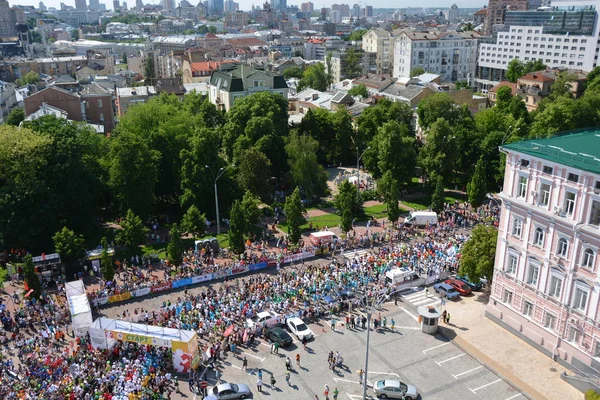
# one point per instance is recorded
(280, 336)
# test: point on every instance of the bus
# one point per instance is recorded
(403, 278)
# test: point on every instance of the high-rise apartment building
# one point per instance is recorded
(215, 7)
(116, 5)
(344, 9)
(368, 11)
(453, 14)
(545, 283)
(379, 43)
(139, 4)
(80, 5)
(94, 5)
(308, 7)
(356, 11)
(7, 25)
(497, 10)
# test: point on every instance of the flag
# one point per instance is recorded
(228, 331)
(28, 293)
(25, 285)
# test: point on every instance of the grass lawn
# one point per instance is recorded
(3, 273)
(161, 248)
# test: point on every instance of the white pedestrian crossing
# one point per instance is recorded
(350, 255)
(422, 298)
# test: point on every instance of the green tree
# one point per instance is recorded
(71, 248)
(193, 221)
(503, 97)
(294, 72)
(237, 226)
(562, 86)
(30, 78)
(329, 69)
(394, 146)
(440, 105)
(149, 72)
(254, 173)
(515, 70)
(31, 278)
(478, 253)
(477, 187)
(352, 67)
(357, 35)
(314, 77)
(372, 118)
(294, 215)
(306, 172)
(250, 211)
(348, 204)
(175, 247)
(437, 157)
(416, 71)
(133, 232)
(124, 58)
(534, 65)
(389, 189)
(359, 90)
(106, 264)
(438, 197)
(16, 116)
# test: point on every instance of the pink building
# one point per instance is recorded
(546, 286)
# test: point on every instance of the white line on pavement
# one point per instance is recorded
(257, 357)
(450, 359)
(345, 380)
(466, 372)
(354, 396)
(435, 347)
(384, 373)
(484, 386)
(413, 316)
(514, 397)
(415, 328)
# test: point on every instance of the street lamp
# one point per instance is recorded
(358, 166)
(215, 179)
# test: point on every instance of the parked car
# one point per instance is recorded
(392, 389)
(269, 319)
(280, 336)
(460, 286)
(299, 328)
(227, 391)
(474, 286)
(448, 290)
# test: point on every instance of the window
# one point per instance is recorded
(587, 259)
(259, 83)
(573, 334)
(549, 321)
(527, 308)
(544, 194)
(595, 213)
(569, 206)
(507, 297)
(99, 103)
(524, 163)
(522, 186)
(538, 236)
(597, 349)
(563, 247)
(511, 265)
(533, 274)
(580, 298)
(517, 228)
(555, 286)
(548, 170)
(101, 117)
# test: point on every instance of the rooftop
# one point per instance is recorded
(578, 150)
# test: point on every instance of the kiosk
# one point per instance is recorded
(429, 317)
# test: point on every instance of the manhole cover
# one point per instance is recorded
(553, 369)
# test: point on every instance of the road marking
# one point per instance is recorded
(466, 372)
(384, 373)
(234, 366)
(265, 344)
(257, 357)
(450, 359)
(435, 347)
(345, 380)
(484, 386)
(413, 316)
(513, 397)
(414, 328)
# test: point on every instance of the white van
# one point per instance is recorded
(402, 278)
(421, 218)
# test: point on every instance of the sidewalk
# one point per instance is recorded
(525, 367)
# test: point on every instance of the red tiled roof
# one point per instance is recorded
(537, 76)
(512, 86)
(205, 66)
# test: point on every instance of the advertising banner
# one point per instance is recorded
(298, 256)
(119, 297)
(221, 274)
(183, 355)
(239, 270)
(182, 282)
(271, 263)
(258, 266)
(100, 301)
(160, 288)
(137, 338)
(202, 278)
(141, 292)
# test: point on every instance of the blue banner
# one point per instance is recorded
(254, 267)
(182, 282)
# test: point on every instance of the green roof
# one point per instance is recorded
(577, 150)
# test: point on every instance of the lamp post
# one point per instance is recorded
(215, 179)
(358, 166)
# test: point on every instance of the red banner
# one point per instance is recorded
(161, 288)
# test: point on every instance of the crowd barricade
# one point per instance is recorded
(264, 263)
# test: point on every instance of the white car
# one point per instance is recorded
(393, 389)
(269, 319)
(299, 328)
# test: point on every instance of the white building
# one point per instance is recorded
(564, 35)
(378, 41)
(453, 55)
(453, 14)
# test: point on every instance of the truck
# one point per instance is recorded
(402, 278)
(421, 218)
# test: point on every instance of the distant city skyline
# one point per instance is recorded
(247, 4)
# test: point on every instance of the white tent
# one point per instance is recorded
(81, 313)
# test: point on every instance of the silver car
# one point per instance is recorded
(391, 389)
(227, 391)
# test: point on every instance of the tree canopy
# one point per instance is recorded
(478, 253)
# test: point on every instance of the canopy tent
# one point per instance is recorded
(105, 332)
(79, 306)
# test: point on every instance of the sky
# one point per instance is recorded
(247, 4)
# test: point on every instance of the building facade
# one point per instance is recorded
(7, 25)
(546, 286)
(379, 42)
(453, 55)
(453, 14)
(496, 11)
